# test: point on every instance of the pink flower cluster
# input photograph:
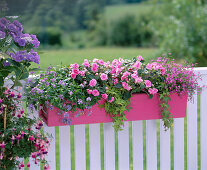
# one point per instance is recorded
(41, 145)
(10, 102)
(179, 78)
(114, 73)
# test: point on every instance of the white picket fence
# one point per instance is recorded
(141, 146)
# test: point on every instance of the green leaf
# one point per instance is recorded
(24, 75)
(127, 95)
(118, 85)
(150, 96)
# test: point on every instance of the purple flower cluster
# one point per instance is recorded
(25, 39)
(14, 29)
(2, 35)
(31, 56)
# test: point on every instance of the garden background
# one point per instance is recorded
(72, 30)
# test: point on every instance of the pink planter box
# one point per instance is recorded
(143, 108)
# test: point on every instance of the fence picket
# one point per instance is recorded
(109, 147)
(95, 152)
(151, 144)
(203, 127)
(192, 134)
(164, 147)
(64, 143)
(137, 142)
(123, 147)
(80, 152)
(51, 152)
(179, 143)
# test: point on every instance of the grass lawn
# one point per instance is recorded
(66, 57)
(114, 12)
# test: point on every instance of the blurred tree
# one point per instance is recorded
(182, 29)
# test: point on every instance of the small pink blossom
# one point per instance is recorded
(104, 96)
(3, 145)
(139, 58)
(92, 82)
(152, 91)
(95, 92)
(86, 63)
(75, 66)
(31, 138)
(134, 75)
(101, 62)
(104, 76)
(148, 83)
(89, 91)
(75, 71)
(149, 66)
(94, 67)
(126, 86)
(116, 81)
(112, 99)
(137, 64)
(82, 73)
(1, 156)
(73, 75)
(138, 80)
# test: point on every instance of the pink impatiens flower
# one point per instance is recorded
(82, 73)
(152, 91)
(112, 99)
(116, 81)
(101, 62)
(149, 66)
(138, 80)
(95, 92)
(92, 82)
(104, 76)
(137, 64)
(89, 91)
(126, 86)
(104, 96)
(148, 83)
(94, 67)
(139, 58)
(73, 75)
(86, 63)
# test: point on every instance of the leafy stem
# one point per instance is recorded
(167, 117)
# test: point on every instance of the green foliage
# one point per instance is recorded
(165, 109)
(129, 30)
(50, 36)
(117, 109)
(182, 30)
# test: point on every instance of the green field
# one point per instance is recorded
(66, 57)
(116, 11)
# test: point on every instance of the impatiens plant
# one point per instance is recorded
(78, 87)
(20, 136)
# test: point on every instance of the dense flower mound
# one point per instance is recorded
(84, 85)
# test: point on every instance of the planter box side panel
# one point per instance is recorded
(143, 108)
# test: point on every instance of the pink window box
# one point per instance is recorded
(143, 108)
